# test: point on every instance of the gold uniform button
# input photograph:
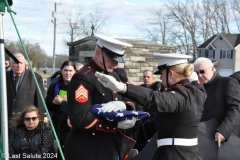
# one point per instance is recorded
(103, 94)
(107, 127)
(114, 128)
(100, 125)
(89, 67)
(116, 99)
(93, 134)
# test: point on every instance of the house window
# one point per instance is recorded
(202, 53)
(226, 54)
(210, 54)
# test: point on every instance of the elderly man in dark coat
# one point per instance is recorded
(223, 99)
(21, 88)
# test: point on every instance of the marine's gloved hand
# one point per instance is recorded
(129, 123)
(110, 82)
(113, 106)
(193, 77)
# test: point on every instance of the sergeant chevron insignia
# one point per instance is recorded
(81, 94)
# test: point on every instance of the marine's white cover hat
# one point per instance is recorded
(170, 59)
(113, 45)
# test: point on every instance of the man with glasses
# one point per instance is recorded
(223, 101)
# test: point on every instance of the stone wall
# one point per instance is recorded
(137, 59)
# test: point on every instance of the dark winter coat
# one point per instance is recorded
(58, 113)
(26, 95)
(40, 142)
(223, 104)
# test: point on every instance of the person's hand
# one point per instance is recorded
(57, 100)
(126, 124)
(219, 138)
(110, 82)
(193, 77)
(113, 106)
(68, 123)
(64, 98)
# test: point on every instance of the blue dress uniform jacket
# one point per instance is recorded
(177, 114)
(92, 137)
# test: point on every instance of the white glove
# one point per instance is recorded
(110, 82)
(193, 77)
(113, 106)
(128, 123)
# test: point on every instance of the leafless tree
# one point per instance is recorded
(235, 8)
(35, 53)
(97, 19)
(221, 15)
(69, 25)
(205, 16)
(76, 25)
(185, 14)
(156, 27)
(191, 22)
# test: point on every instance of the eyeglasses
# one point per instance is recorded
(29, 119)
(201, 71)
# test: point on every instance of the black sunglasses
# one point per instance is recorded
(28, 118)
(200, 72)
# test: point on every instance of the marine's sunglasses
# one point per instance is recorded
(29, 119)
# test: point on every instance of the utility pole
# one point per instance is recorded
(164, 32)
(54, 36)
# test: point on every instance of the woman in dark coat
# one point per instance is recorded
(177, 111)
(31, 138)
(56, 101)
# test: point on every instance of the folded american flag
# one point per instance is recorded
(119, 115)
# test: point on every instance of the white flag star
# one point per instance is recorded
(135, 113)
(99, 110)
(119, 114)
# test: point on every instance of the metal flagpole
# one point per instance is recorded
(54, 36)
(3, 89)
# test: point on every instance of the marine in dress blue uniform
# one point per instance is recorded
(92, 137)
(177, 111)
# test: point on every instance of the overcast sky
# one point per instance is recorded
(34, 17)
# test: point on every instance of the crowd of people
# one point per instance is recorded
(185, 96)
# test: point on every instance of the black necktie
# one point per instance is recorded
(15, 82)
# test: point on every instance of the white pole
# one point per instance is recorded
(3, 97)
(54, 36)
